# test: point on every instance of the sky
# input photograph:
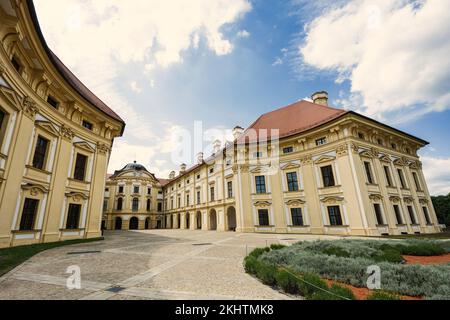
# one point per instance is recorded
(187, 72)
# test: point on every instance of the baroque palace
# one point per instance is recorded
(329, 171)
(55, 139)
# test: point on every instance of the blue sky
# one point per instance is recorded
(163, 65)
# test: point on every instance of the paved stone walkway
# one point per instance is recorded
(152, 264)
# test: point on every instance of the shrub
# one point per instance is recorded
(342, 291)
(382, 295)
(335, 292)
(251, 264)
(277, 246)
(311, 284)
(389, 255)
(287, 281)
(267, 273)
(258, 252)
(336, 251)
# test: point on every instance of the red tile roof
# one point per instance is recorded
(295, 118)
(71, 79)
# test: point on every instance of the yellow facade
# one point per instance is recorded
(54, 142)
(133, 200)
(338, 178)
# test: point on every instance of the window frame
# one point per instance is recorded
(388, 176)
(417, 181)
(119, 205)
(44, 155)
(335, 217)
(230, 189)
(401, 178)
(288, 150)
(369, 172)
(398, 215)
(260, 186)
(266, 216)
(135, 204)
(73, 218)
(331, 183)
(321, 141)
(297, 216)
(87, 125)
(412, 215)
(28, 221)
(379, 214)
(75, 168)
(292, 184)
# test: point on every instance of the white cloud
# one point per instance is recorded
(243, 34)
(394, 52)
(437, 173)
(135, 87)
(278, 61)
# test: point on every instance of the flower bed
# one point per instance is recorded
(346, 261)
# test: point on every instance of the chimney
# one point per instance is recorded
(237, 132)
(183, 168)
(200, 158)
(217, 145)
(320, 98)
(172, 175)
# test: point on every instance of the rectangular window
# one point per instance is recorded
(257, 155)
(334, 213)
(292, 181)
(105, 204)
(411, 215)
(149, 205)
(297, 217)
(368, 172)
(378, 214)
(171, 203)
(29, 212)
(16, 64)
(159, 206)
(187, 200)
(387, 173)
(288, 150)
(327, 176)
(402, 178)
(136, 189)
(321, 141)
(149, 191)
(230, 189)
(427, 215)
(53, 102)
(2, 117)
(179, 202)
(263, 215)
(416, 181)
(73, 216)
(260, 184)
(120, 189)
(198, 197)
(361, 135)
(398, 214)
(80, 167)
(135, 204)
(40, 153)
(88, 125)
(213, 194)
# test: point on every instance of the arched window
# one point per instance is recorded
(135, 204)
(148, 204)
(119, 204)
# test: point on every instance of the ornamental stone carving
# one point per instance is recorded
(342, 150)
(307, 160)
(67, 133)
(102, 148)
(29, 107)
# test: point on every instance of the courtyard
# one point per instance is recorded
(151, 264)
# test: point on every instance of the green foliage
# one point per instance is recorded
(412, 280)
(382, 295)
(442, 207)
(287, 281)
(336, 251)
(277, 246)
(267, 273)
(12, 257)
(258, 252)
(335, 292)
(251, 264)
(311, 284)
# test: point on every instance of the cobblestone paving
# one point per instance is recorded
(152, 264)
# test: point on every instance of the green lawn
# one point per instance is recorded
(12, 257)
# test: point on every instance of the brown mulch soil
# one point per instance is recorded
(427, 260)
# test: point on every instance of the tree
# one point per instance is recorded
(442, 207)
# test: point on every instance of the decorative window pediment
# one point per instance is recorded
(35, 189)
(259, 170)
(48, 126)
(260, 204)
(394, 198)
(11, 96)
(385, 158)
(295, 202)
(85, 146)
(332, 199)
(367, 154)
(408, 200)
(375, 197)
(400, 162)
(290, 166)
(323, 159)
(423, 201)
(77, 196)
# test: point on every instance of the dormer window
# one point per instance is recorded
(321, 141)
(88, 125)
(288, 150)
(16, 64)
(380, 142)
(361, 135)
(394, 146)
(53, 102)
